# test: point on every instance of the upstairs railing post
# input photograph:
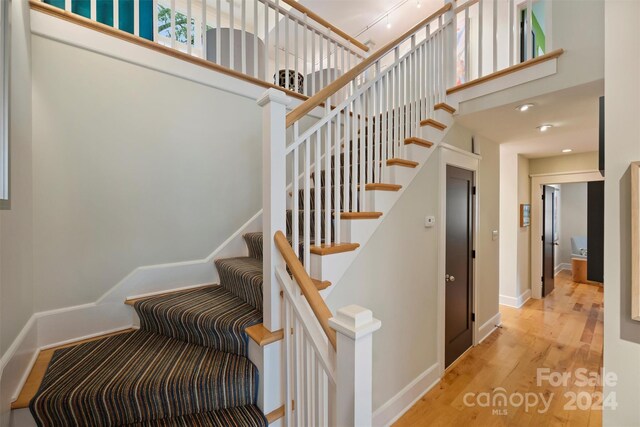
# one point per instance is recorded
(274, 182)
(354, 359)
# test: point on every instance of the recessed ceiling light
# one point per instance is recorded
(524, 107)
(567, 150)
(544, 128)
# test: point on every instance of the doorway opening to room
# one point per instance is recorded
(567, 213)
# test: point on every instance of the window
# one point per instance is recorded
(4, 104)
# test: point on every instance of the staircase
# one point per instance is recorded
(187, 364)
(192, 362)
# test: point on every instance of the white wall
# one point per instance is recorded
(622, 90)
(395, 275)
(132, 167)
(573, 218)
(577, 27)
(524, 233)
(16, 242)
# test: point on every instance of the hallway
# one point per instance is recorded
(559, 334)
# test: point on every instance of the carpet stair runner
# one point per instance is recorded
(187, 365)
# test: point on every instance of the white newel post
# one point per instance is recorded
(274, 177)
(354, 356)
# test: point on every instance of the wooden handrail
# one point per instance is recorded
(347, 77)
(300, 8)
(309, 290)
(501, 73)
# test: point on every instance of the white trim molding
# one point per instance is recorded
(110, 313)
(489, 327)
(459, 158)
(395, 407)
(515, 302)
(537, 181)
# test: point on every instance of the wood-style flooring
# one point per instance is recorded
(562, 332)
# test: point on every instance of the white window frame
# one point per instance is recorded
(4, 103)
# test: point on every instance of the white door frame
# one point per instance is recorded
(537, 181)
(450, 155)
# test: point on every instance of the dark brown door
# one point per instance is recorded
(595, 231)
(548, 240)
(459, 263)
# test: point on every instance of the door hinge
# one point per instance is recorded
(542, 279)
(473, 317)
(543, 197)
(473, 190)
(542, 238)
(473, 254)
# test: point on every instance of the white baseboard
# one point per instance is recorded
(562, 266)
(395, 407)
(109, 313)
(488, 327)
(515, 302)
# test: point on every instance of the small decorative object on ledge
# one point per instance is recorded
(525, 215)
(635, 241)
(281, 80)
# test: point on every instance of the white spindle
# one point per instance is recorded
(67, 5)
(296, 56)
(286, 52)
(218, 33)
(306, 221)
(276, 41)
(93, 10)
(528, 27)
(136, 18)
(511, 33)
(156, 37)
(336, 178)
(116, 14)
(173, 24)
(255, 40)
(313, 62)
(327, 180)
(266, 44)
(243, 34)
(203, 28)
(494, 39)
(480, 34)
(317, 204)
(232, 35)
(361, 159)
(189, 47)
(467, 53)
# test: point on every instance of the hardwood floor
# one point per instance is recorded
(563, 332)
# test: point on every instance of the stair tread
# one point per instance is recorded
(433, 123)
(418, 141)
(402, 162)
(334, 248)
(90, 380)
(210, 316)
(444, 106)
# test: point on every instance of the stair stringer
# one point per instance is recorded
(333, 267)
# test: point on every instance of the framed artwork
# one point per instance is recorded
(525, 215)
(635, 241)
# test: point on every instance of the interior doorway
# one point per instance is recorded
(550, 237)
(459, 263)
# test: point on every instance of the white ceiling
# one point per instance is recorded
(573, 112)
(354, 16)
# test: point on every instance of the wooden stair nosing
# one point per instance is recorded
(402, 162)
(382, 187)
(360, 215)
(39, 368)
(418, 141)
(262, 336)
(335, 248)
(444, 106)
(433, 123)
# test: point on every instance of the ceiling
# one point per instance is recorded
(573, 112)
(354, 16)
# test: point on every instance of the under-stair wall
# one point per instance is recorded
(395, 275)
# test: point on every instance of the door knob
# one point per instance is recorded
(449, 278)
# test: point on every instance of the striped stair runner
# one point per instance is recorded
(186, 366)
